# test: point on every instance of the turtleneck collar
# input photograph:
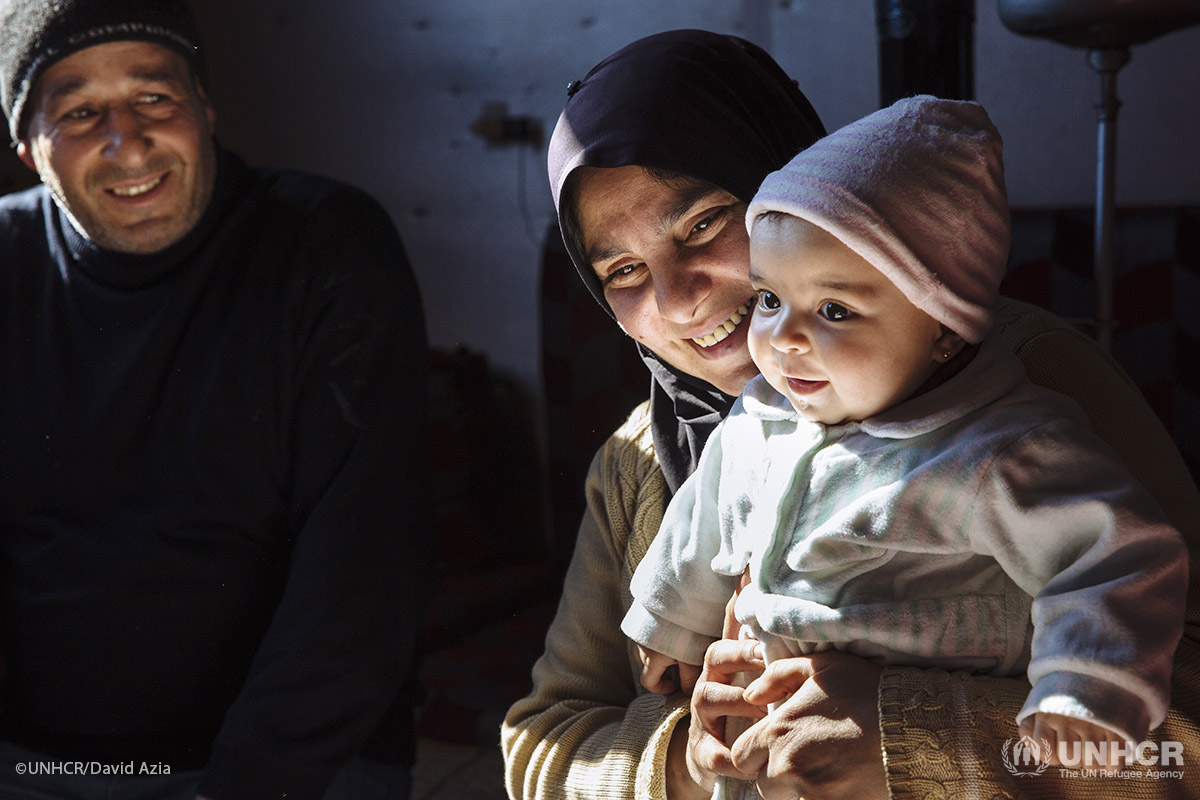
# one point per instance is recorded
(133, 270)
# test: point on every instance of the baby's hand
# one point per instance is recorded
(1055, 728)
(659, 677)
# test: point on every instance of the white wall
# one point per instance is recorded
(382, 94)
(1038, 92)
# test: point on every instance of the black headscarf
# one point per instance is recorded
(705, 105)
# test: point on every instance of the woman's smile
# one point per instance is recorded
(723, 331)
(674, 260)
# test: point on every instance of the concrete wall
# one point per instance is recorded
(383, 94)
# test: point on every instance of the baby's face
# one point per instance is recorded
(830, 332)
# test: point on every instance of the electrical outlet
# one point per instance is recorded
(499, 128)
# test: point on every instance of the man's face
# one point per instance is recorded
(121, 133)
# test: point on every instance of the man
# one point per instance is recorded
(213, 446)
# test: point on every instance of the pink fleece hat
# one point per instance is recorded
(917, 189)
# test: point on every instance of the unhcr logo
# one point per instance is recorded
(1025, 756)
(1028, 756)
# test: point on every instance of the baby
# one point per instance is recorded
(893, 483)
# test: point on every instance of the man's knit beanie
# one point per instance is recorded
(916, 189)
(36, 33)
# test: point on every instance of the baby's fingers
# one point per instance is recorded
(688, 675)
(658, 676)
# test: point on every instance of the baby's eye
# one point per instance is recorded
(835, 312)
(768, 300)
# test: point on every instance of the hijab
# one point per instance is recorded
(708, 106)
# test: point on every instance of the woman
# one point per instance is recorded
(651, 163)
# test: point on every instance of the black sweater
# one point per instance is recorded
(213, 486)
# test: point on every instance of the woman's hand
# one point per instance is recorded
(681, 783)
(822, 742)
(716, 697)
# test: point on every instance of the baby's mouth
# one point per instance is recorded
(722, 331)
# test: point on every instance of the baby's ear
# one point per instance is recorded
(947, 345)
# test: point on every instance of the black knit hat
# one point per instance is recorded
(36, 33)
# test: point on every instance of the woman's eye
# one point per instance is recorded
(706, 223)
(768, 300)
(835, 312)
(621, 274)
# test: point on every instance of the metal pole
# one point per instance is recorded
(1107, 62)
(926, 47)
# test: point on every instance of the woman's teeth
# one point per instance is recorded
(133, 191)
(722, 331)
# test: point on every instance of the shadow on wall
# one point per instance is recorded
(494, 554)
(498, 579)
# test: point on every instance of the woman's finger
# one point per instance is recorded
(823, 740)
(726, 658)
(780, 680)
(751, 752)
(718, 692)
(713, 702)
(708, 755)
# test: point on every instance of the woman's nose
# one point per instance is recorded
(681, 284)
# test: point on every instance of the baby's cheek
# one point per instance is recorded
(773, 376)
(758, 340)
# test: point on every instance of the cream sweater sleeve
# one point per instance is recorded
(587, 730)
(944, 735)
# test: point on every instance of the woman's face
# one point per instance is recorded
(673, 257)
